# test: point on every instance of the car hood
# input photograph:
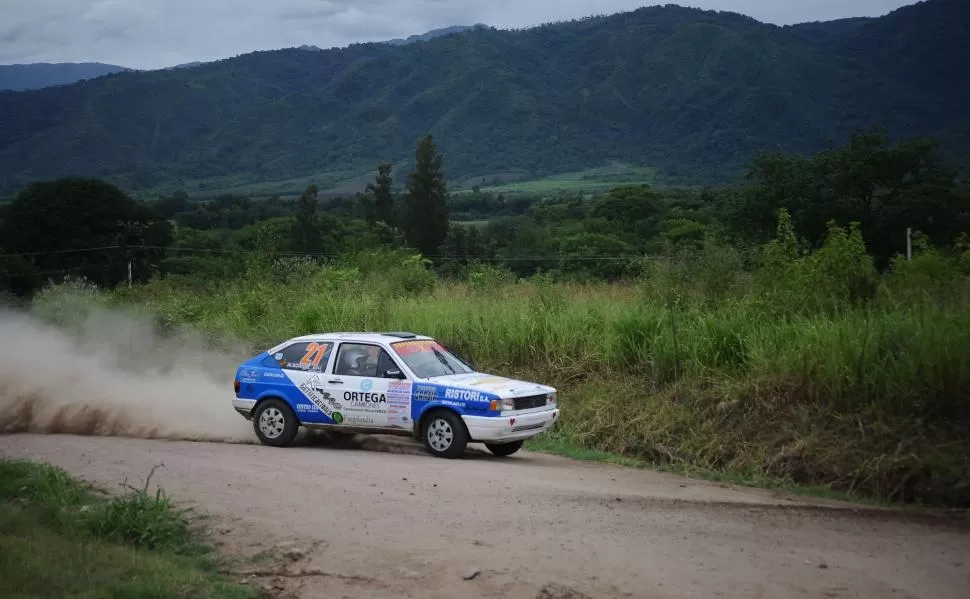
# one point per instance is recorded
(490, 383)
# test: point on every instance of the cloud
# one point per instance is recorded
(160, 33)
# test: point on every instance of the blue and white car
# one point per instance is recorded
(388, 383)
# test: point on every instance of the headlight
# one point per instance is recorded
(551, 399)
(502, 405)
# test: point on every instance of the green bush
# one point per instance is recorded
(141, 519)
(132, 545)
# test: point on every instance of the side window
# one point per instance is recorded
(384, 364)
(362, 359)
(307, 355)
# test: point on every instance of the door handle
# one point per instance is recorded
(335, 382)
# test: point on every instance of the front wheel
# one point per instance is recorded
(444, 435)
(275, 424)
(504, 449)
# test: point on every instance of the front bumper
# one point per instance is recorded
(510, 427)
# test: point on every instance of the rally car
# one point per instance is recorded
(388, 383)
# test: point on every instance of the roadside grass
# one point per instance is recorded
(555, 443)
(61, 538)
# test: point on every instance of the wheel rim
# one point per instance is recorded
(272, 422)
(440, 435)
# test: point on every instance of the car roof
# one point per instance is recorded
(389, 337)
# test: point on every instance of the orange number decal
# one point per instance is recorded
(314, 353)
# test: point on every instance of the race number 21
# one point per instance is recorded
(314, 354)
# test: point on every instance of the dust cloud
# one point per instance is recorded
(110, 373)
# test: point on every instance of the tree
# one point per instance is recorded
(886, 188)
(84, 228)
(426, 214)
(171, 206)
(379, 204)
(306, 229)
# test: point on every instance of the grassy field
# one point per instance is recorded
(60, 538)
(350, 181)
(592, 180)
(341, 182)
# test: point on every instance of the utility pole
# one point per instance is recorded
(909, 244)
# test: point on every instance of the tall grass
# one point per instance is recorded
(811, 368)
(130, 545)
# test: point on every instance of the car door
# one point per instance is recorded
(369, 387)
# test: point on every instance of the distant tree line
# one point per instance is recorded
(85, 227)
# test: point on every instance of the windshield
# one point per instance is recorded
(427, 359)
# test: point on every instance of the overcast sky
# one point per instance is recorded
(159, 33)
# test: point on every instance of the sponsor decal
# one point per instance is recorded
(338, 418)
(405, 348)
(425, 393)
(353, 419)
(311, 388)
(457, 404)
(399, 403)
(361, 397)
(248, 376)
(465, 394)
(368, 403)
(302, 407)
(366, 385)
(273, 375)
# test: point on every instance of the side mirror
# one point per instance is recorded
(393, 374)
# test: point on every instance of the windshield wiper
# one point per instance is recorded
(443, 360)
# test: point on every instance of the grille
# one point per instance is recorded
(530, 402)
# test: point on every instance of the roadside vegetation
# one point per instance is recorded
(61, 538)
(776, 331)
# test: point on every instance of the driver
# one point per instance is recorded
(362, 361)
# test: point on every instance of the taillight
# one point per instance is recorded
(235, 386)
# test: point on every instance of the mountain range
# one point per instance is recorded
(20, 77)
(690, 93)
(38, 75)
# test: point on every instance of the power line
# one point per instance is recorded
(441, 256)
(71, 251)
(530, 258)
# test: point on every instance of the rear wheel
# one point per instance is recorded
(275, 424)
(504, 449)
(444, 435)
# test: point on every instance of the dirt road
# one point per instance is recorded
(364, 523)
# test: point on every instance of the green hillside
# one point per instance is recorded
(20, 77)
(687, 94)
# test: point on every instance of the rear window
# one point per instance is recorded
(428, 358)
(306, 355)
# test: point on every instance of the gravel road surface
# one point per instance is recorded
(399, 523)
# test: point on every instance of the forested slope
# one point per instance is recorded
(694, 93)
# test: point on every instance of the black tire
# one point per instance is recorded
(436, 429)
(278, 411)
(504, 449)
